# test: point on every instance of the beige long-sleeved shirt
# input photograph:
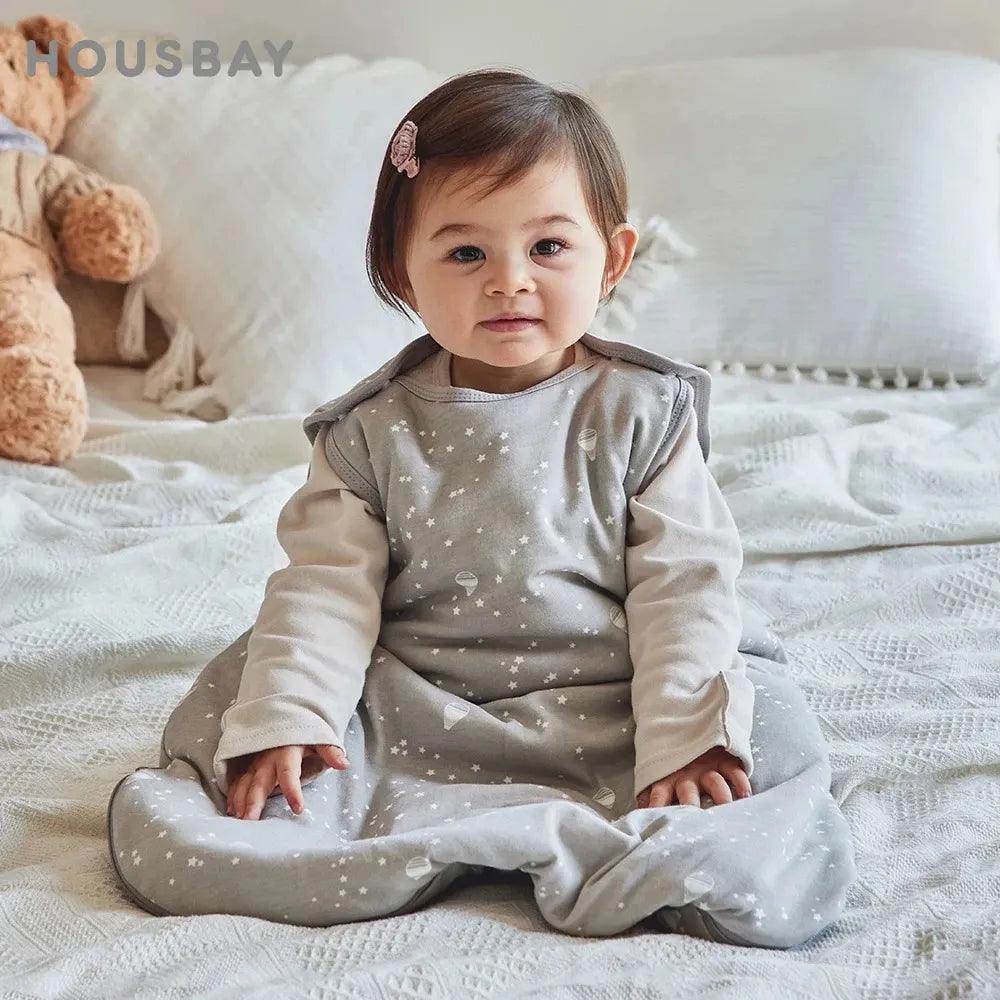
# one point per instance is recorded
(321, 616)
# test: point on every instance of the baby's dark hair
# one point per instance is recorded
(504, 123)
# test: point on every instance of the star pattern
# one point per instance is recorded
(536, 584)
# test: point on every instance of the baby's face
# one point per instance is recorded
(506, 260)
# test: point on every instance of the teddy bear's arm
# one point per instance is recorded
(63, 180)
(103, 229)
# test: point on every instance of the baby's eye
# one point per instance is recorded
(556, 243)
(458, 260)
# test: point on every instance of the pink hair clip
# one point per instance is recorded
(403, 149)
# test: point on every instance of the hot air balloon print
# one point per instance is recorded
(418, 867)
(454, 712)
(605, 796)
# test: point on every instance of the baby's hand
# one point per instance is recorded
(259, 774)
(712, 769)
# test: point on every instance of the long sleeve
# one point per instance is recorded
(683, 554)
(311, 644)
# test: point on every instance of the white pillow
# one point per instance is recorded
(262, 187)
(843, 207)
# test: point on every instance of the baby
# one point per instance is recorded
(501, 222)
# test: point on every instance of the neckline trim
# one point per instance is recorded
(444, 390)
(440, 373)
(696, 381)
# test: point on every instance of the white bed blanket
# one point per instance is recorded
(871, 527)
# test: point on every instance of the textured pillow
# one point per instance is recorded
(843, 207)
(262, 187)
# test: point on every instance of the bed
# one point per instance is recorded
(869, 517)
(872, 539)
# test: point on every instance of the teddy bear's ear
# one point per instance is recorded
(44, 30)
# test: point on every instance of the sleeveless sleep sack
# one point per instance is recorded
(495, 727)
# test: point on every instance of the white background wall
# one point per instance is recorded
(565, 42)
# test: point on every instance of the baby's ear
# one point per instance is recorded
(623, 243)
(43, 31)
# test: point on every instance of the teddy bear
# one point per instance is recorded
(56, 216)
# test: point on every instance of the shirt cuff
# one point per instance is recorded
(725, 720)
(239, 739)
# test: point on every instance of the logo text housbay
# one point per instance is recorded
(205, 58)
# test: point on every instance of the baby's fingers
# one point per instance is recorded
(238, 793)
(737, 777)
(688, 793)
(331, 755)
(716, 787)
(260, 787)
(234, 784)
(289, 771)
(661, 793)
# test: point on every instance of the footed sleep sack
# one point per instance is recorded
(495, 726)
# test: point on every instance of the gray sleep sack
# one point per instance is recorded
(495, 726)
